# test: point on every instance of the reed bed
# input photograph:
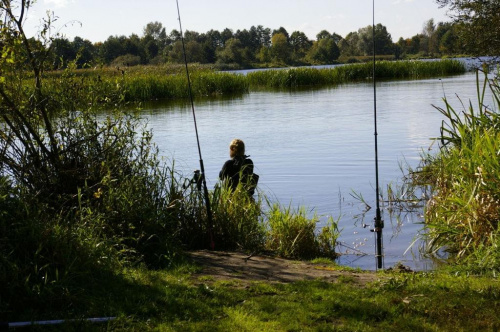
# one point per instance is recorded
(203, 84)
(463, 213)
(147, 83)
(296, 77)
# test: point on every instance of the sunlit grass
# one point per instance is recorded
(172, 300)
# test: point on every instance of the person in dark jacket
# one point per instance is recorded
(239, 168)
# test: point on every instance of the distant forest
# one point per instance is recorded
(255, 47)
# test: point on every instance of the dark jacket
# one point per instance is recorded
(239, 166)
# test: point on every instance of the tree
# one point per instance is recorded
(174, 36)
(264, 36)
(248, 42)
(300, 44)
(383, 40)
(85, 51)
(282, 31)
(156, 31)
(226, 35)
(232, 52)
(446, 38)
(112, 48)
(280, 49)
(149, 48)
(429, 33)
(478, 24)
(448, 42)
(415, 42)
(212, 42)
(260, 36)
(63, 52)
(349, 45)
(194, 52)
(324, 51)
(323, 34)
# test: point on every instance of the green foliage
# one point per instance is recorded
(126, 60)
(477, 24)
(79, 192)
(463, 213)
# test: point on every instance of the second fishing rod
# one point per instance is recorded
(202, 167)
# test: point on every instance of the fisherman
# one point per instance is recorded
(239, 168)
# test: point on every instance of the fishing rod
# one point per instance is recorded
(202, 168)
(379, 223)
(9, 325)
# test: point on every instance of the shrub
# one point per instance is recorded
(127, 60)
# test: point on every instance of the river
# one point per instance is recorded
(315, 148)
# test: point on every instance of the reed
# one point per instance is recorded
(145, 83)
(98, 87)
(463, 213)
(203, 84)
(238, 219)
(296, 77)
(291, 233)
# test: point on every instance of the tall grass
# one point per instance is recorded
(204, 84)
(113, 86)
(254, 224)
(464, 212)
(296, 77)
(290, 233)
(135, 84)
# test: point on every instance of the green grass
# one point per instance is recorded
(176, 300)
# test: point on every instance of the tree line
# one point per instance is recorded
(255, 47)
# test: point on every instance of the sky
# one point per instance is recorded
(96, 20)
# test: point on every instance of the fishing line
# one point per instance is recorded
(202, 168)
(379, 224)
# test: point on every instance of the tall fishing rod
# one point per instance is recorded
(202, 168)
(379, 223)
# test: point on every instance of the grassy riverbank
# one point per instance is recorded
(180, 299)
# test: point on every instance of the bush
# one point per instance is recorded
(80, 192)
(127, 60)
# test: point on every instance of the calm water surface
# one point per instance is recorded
(316, 147)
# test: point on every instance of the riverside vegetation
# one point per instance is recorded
(82, 196)
(95, 223)
(147, 83)
(463, 211)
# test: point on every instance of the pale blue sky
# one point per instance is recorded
(101, 18)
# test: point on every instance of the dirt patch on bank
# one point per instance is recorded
(218, 265)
